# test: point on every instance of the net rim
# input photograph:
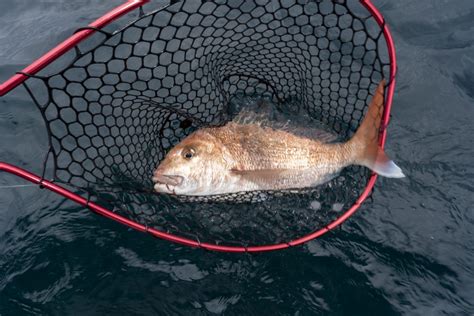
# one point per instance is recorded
(113, 15)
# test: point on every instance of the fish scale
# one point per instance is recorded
(257, 148)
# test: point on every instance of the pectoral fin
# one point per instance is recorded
(268, 178)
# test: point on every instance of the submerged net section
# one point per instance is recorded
(117, 108)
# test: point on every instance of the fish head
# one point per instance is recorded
(195, 166)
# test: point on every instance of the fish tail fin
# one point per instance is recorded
(365, 148)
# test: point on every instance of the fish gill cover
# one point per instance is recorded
(115, 108)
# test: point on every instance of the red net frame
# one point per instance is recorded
(113, 15)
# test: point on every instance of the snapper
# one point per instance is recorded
(251, 156)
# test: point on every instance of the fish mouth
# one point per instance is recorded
(167, 179)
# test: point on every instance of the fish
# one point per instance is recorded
(249, 156)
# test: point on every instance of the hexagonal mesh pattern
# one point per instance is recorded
(113, 112)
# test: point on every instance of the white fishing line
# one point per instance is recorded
(14, 186)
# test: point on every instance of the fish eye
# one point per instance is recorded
(189, 153)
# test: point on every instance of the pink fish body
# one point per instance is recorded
(239, 157)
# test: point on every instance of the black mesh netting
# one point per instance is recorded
(115, 110)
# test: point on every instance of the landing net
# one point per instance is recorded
(123, 98)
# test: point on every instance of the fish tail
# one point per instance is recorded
(365, 146)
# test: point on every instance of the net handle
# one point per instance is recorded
(69, 43)
(45, 184)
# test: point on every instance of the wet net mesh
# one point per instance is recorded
(115, 109)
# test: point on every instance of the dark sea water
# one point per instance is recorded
(409, 252)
